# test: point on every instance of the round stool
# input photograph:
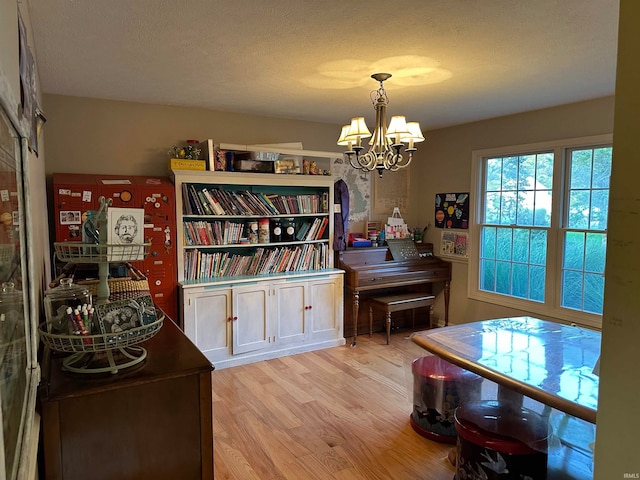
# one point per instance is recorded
(438, 388)
(497, 442)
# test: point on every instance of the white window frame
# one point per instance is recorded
(551, 307)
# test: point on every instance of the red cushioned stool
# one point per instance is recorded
(438, 388)
(496, 441)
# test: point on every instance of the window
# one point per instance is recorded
(539, 229)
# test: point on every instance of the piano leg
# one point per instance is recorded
(446, 302)
(356, 308)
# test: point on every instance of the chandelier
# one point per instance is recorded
(386, 145)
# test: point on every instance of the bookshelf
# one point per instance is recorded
(255, 264)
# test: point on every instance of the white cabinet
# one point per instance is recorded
(243, 322)
(246, 299)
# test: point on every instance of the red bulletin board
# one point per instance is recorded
(452, 210)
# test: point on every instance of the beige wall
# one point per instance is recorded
(617, 444)
(101, 136)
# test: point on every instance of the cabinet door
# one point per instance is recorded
(250, 318)
(206, 321)
(325, 300)
(289, 312)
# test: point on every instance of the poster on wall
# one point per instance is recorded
(454, 244)
(452, 210)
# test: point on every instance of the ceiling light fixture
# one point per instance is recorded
(385, 147)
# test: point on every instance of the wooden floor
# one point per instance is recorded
(339, 413)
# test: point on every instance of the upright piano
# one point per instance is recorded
(372, 271)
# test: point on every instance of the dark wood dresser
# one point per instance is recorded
(152, 421)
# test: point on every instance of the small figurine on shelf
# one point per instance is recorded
(190, 151)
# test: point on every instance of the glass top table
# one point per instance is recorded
(552, 363)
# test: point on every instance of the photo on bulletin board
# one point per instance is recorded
(454, 244)
(126, 228)
(452, 210)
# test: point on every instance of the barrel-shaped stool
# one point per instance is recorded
(438, 388)
(498, 441)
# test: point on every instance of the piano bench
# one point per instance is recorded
(398, 303)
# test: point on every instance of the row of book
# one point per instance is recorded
(212, 233)
(200, 232)
(199, 200)
(312, 230)
(200, 265)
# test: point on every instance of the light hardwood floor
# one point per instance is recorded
(340, 413)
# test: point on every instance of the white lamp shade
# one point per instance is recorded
(343, 136)
(397, 127)
(358, 129)
(414, 134)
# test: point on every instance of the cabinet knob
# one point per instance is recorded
(235, 318)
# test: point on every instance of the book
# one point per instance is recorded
(195, 202)
(323, 226)
(205, 203)
(314, 228)
(215, 205)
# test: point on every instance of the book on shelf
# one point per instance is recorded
(313, 230)
(195, 201)
(214, 204)
(322, 228)
(205, 204)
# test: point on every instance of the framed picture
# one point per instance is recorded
(123, 315)
(454, 244)
(70, 217)
(126, 227)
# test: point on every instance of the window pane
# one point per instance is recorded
(503, 277)
(537, 283)
(527, 172)
(520, 281)
(595, 252)
(525, 212)
(538, 247)
(488, 275)
(599, 210)
(544, 171)
(488, 242)
(581, 169)
(503, 244)
(579, 204)
(593, 293)
(542, 213)
(520, 245)
(601, 167)
(574, 250)
(508, 208)
(492, 208)
(572, 289)
(509, 174)
(493, 174)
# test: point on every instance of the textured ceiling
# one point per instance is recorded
(453, 61)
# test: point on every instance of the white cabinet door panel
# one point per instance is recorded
(290, 312)
(250, 319)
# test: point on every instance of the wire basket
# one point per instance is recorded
(99, 253)
(100, 342)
